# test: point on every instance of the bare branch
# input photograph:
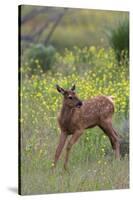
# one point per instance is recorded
(45, 25)
(27, 38)
(32, 14)
(55, 19)
(60, 16)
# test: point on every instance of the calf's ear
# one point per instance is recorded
(73, 87)
(59, 89)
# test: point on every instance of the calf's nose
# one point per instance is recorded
(79, 104)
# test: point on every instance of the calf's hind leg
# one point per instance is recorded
(106, 126)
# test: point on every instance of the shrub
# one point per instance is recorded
(119, 39)
(40, 56)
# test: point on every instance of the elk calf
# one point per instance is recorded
(77, 115)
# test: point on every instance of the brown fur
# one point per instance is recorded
(74, 118)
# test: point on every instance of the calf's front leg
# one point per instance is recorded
(60, 146)
(72, 141)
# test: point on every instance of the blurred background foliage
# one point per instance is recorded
(47, 30)
(67, 27)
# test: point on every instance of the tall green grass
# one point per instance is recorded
(103, 174)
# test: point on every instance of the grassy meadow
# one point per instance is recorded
(92, 165)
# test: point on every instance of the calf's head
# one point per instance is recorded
(70, 98)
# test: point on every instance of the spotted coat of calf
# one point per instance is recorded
(76, 116)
